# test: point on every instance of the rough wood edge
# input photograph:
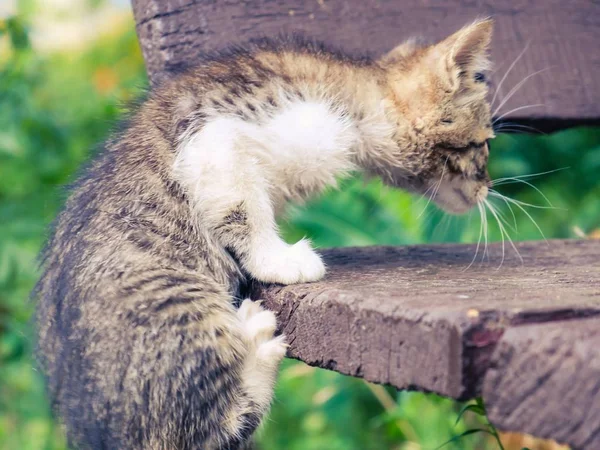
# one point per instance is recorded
(471, 363)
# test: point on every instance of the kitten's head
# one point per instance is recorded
(439, 95)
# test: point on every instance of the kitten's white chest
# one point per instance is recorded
(308, 144)
(297, 151)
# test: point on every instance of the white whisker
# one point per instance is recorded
(504, 232)
(517, 180)
(504, 219)
(485, 235)
(508, 71)
(515, 110)
(510, 130)
(490, 207)
(514, 90)
(530, 175)
(439, 183)
(509, 208)
(481, 213)
(444, 223)
(511, 126)
(514, 201)
(517, 204)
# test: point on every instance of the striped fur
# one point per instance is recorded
(141, 333)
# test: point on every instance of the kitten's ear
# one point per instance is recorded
(399, 52)
(466, 51)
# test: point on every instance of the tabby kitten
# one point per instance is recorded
(139, 333)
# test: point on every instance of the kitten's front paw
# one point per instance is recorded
(288, 264)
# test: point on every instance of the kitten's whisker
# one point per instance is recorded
(479, 207)
(515, 110)
(518, 180)
(428, 201)
(448, 225)
(485, 234)
(506, 129)
(489, 206)
(511, 211)
(424, 194)
(503, 218)
(530, 175)
(515, 127)
(530, 205)
(509, 130)
(439, 183)
(445, 222)
(504, 232)
(508, 71)
(517, 204)
(514, 90)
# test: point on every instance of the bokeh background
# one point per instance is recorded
(68, 67)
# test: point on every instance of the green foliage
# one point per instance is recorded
(477, 408)
(56, 108)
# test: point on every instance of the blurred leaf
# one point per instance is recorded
(473, 408)
(17, 32)
(463, 434)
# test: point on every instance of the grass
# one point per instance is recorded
(56, 108)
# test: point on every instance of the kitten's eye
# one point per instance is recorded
(479, 77)
(447, 121)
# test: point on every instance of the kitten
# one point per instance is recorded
(139, 333)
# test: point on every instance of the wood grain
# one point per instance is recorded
(417, 318)
(561, 39)
(544, 379)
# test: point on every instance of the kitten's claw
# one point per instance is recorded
(288, 264)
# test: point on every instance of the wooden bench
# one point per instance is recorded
(526, 337)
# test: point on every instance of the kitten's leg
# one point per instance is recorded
(247, 226)
(265, 351)
(232, 195)
(259, 373)
(196, 372)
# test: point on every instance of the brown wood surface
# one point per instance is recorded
(417, 318)
(544, 379)
(562, 38)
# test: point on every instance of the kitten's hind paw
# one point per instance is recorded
(260, 325)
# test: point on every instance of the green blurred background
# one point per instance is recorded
(65, 69)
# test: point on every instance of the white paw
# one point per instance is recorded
(287, 264)
(273, 350)
(259, 325)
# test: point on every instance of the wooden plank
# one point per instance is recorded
(544, 379)
(561, 39)
(418, 318)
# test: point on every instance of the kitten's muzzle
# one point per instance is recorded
(458, 195)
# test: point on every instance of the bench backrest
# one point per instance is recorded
(559, 38)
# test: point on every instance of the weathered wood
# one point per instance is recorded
(544, 379)
(562, 39)
(417, 318)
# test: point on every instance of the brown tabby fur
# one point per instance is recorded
(136, 304)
